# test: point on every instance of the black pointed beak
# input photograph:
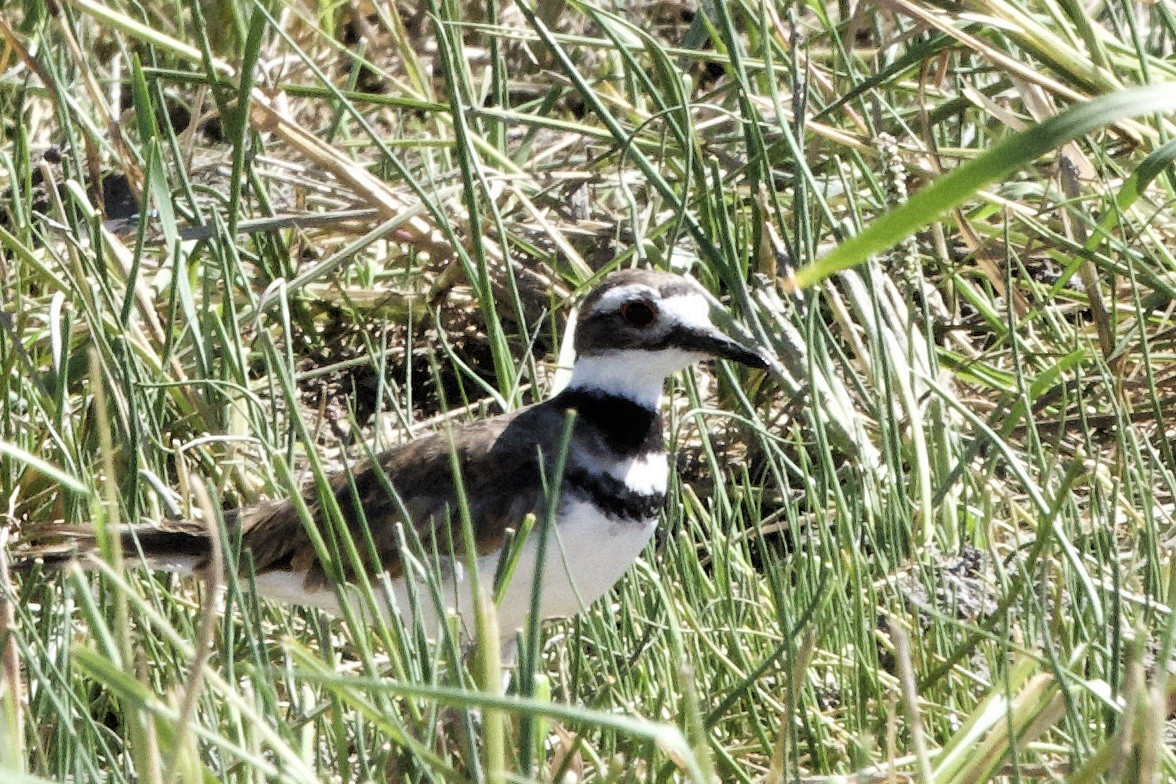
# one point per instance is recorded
(716, 344)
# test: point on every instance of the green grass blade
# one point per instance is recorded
(1008, 155)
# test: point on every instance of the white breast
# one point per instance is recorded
(585, 557)
(646, 474)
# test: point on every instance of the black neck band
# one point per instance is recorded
(627, 427)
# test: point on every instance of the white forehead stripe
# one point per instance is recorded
(691, 310)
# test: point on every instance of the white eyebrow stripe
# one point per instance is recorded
(689, 309)
(613, 299)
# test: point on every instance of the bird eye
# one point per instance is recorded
(639, 314)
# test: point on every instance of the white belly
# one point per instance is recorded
(586, 554)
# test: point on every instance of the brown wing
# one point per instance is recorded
(499, 464)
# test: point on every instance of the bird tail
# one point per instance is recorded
(174, 546)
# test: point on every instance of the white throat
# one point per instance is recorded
(635, 374)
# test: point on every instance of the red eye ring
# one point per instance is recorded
(639, 313)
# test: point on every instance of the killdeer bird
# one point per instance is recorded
(634, 330)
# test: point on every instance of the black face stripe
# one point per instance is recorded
(684, 339)
(613, 496)
(701, 343)
(608, 331)
(627, 428)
